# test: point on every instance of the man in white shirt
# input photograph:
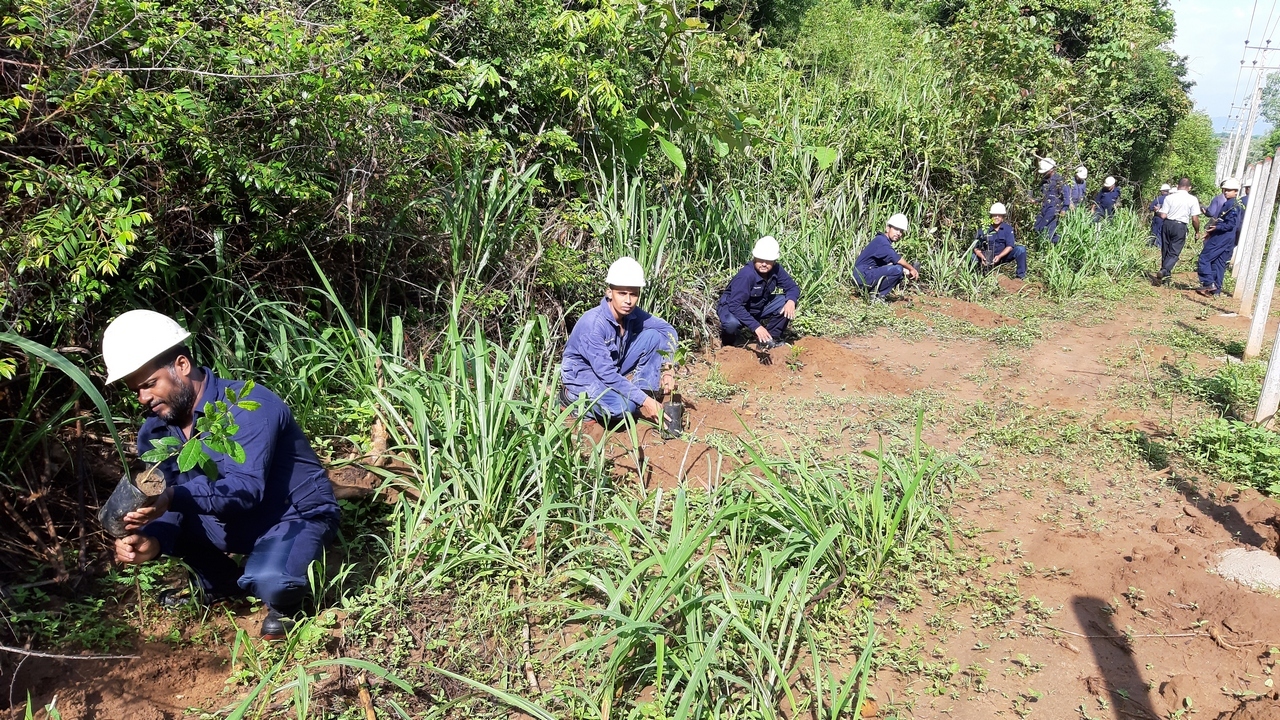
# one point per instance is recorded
(1179, 208)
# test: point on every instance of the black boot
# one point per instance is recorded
(275, 626)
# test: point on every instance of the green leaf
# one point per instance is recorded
(249, 405)
(155, 455)
(824, 155)
(192, 454)
(673, 153)
(236, 452)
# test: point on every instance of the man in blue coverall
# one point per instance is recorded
(276, 507)
(1077, 188)
(612, 341)
(879, 268)
(1054, 198)
(1157, 222)
(1220, 241)
(751, 300)
(1104, 203)
(997, 246)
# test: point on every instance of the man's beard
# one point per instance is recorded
(181, 402)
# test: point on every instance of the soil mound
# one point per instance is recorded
(966, 311)
(1264, 709)
(828, 364)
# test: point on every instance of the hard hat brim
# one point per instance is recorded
(118, 374)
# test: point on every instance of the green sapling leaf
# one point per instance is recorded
(191, 455)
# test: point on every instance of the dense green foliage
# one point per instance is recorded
(1191, 152)
(408, 145)
(1237, 451)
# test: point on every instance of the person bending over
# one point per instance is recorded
(752, 300)
(879, 268)
(614, 357)
(1220, 241)
(275, 507)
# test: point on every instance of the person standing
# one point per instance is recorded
(879, 268)
(1179, 208)
(615, 355)
(996, 245)
(1078, 187)
(1054, 198)
(1220, 240)
(1104, 203)
(274, 505)
(1157, 222)
(751, 300)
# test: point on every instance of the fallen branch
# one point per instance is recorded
(34, 653)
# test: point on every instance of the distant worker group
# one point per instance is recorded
(619, 359)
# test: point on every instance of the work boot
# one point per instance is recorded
(1206, 291)
(275, 626)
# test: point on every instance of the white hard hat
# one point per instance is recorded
(625, 272)
(1109, 181)
(899, 221)
(1165, 188)
(1047, 164)
(766, 249)
(997, 209)
(1082, 171)
(135, 339)
(1231, 184)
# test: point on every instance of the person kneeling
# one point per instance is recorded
(750, 301)
(614, 357)
(996, 245)
(879, 268)
(275, 506)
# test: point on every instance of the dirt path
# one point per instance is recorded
(1092, 596)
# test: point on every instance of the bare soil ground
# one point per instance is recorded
(1085, 586)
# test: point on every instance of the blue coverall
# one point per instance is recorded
(1053, 198)
(877, 267)
(601, 352)
(1215, 205)
(750, 301)
(277, 507)
(996, 240)
(1106, 201)
(1077, 191)
(1157, 222)
(1218, 245)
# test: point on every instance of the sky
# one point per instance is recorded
(1211, 34)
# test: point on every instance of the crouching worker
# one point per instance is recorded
(1220, 241)
(276, 507)
(996, 245)
(751, 300)
(879, 268)
(614, 357)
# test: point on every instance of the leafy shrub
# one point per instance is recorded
(1237, 452)
(1233, 390)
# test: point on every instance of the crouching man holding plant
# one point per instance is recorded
(267, 498)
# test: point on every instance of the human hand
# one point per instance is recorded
(915, 274)
(651, 410)
(668, 381)
(789, 310)
(763, 335)
(146, 514)
(136, 549)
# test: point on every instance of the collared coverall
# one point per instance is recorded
(277, 507)
(601, 352)
(1053, 198)
(1106, 201)
(750, 300)
(877, 268)
(994, 241)
(1218, 244)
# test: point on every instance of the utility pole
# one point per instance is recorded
(1247, 129)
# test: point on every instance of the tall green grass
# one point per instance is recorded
(703, 602)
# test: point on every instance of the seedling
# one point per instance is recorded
(215, 428)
